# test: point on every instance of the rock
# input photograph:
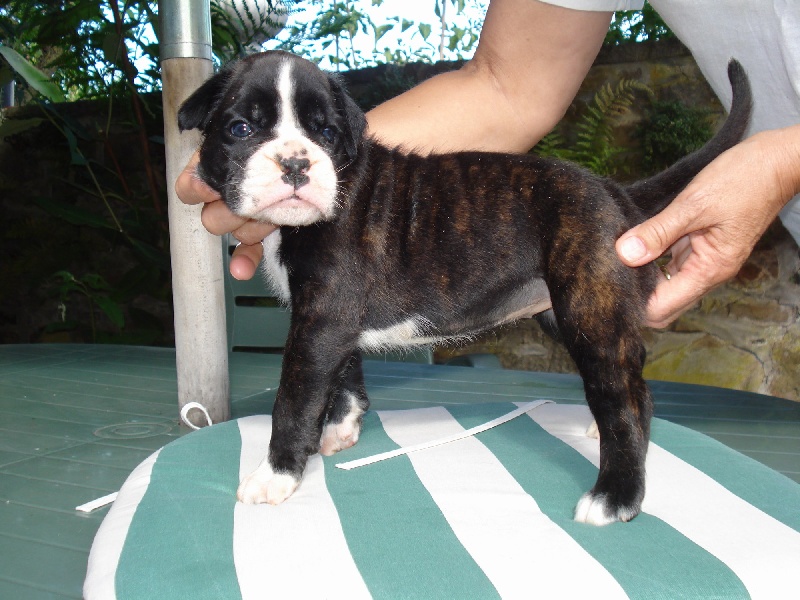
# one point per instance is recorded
(786, 366)
(707, 360)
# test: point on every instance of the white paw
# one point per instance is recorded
(340, 436)
(262, 486)
(593, 432)
(594, 510)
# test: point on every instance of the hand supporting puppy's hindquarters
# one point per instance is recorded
(218, 219)
(713, 225)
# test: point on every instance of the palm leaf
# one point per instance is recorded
(33, 76)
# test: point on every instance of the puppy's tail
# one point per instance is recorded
(653, 194)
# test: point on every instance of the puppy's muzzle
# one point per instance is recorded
(295, 171)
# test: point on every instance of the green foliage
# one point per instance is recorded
(91, 218)
(637, 26)
(595, 147)
(95, 290)
(35, 78)
(97, 48)
(671, 131)
(88, 48)
(103, 50)
(332, 34)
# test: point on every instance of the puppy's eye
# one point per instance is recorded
(328, 134)
(241, 129)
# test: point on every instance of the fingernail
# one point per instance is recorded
(633, 249)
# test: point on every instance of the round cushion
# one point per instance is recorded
(485, 517)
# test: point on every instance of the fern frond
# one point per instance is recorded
(595, 147)
(552, 145)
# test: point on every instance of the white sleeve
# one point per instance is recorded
(600, 5)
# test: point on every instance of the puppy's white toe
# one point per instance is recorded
(264, 487)
(340, 436)
(595, 510)
(593, 432)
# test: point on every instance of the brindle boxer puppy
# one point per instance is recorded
(380, 248)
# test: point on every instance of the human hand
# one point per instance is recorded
(713, 225)
(218, 219)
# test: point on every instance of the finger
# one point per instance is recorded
(694, 271)
(217, 218)
(649, 240)
(245, 260)
(190, 188)
(252, 232)
(680, 252)
(673, 297)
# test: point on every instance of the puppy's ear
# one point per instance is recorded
(355, 123)
(196, 111)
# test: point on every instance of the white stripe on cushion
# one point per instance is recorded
(296, 549)
(761, 551)
(519, 548)
(100, 582)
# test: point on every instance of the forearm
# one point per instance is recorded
(531, 60)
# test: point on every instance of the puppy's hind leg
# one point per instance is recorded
(346, 408)
(600, 325)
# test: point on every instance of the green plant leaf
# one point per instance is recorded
(35, 78)
(77, 157)
(95, 282)
(382, 30)
(72, 214)
(424, 30)
(112, 46)
(112, 310)
(11, 127)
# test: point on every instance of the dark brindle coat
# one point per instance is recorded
(381, 248)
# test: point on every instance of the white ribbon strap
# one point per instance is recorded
(353, 464)
(185, 414)
(95, 504)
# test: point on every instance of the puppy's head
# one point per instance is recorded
(277, 131)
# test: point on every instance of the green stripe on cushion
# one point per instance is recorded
(179, 544)
(556, 475)
(396, 533)
(767, 490)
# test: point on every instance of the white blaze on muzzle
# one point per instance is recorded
(289, 180)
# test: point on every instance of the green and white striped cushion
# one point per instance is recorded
(485, 517)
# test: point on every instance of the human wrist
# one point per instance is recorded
(782, 149)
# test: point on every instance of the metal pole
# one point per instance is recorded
(7, 94)
(197, 271)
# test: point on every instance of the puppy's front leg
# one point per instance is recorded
(313, 360)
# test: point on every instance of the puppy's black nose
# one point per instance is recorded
(295, 170)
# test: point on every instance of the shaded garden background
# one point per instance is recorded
(82, 185)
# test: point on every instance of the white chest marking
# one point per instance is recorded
(274, 271)
(405, 333)
(416, 331)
